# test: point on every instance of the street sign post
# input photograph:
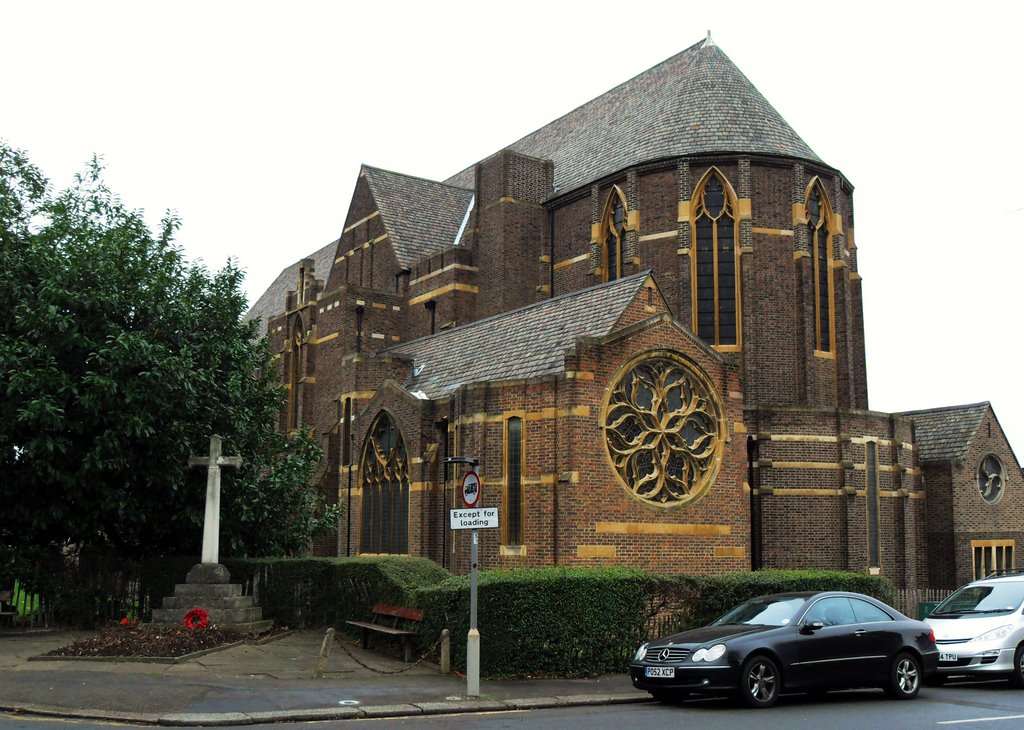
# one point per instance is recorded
(470, 488)
(472, 519)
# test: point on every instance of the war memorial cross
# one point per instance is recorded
(211, 522)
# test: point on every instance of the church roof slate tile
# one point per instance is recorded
(421, 216)
(524, 343)
(271, 302)
(945, 434)
(695, 102)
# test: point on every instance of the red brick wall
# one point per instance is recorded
(511, 230)
(973, 517)
(811, 483)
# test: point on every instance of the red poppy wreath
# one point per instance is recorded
(197, 618)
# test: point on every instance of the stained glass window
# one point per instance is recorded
(663, 429)
(871, 492)
(514, 481)
(821, 250)
(295, 375)
(715, 265)
(614, 228)
(385, 479)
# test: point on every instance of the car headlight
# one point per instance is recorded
(995, 634)
(640, 653)
(708, 655)
(715, 652)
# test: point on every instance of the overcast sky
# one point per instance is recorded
(251, 119)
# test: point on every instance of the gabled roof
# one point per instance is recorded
(695, 102)
(420, 216)
(271, 302)
(945, 434)
(524, 343)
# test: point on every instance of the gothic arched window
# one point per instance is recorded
(819, 229)
(716, 291)
(295, 373)
(613, 234)
(384, 471)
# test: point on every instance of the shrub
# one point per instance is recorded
(543, 621)
(699, 600)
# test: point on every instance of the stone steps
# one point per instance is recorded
(191, 601)
(207, 588)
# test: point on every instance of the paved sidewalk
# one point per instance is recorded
(270, 682)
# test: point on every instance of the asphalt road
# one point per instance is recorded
(983, 705)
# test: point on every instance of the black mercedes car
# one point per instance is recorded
(791, 642)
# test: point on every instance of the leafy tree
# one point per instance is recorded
(118, 359)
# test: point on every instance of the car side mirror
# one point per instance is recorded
(809, 627)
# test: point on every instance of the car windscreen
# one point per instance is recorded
(992, 598)
(763, 612)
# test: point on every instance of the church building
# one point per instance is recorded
(645, 321)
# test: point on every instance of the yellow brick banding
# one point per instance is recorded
(438, 272)
(573, 260)
(659, 528)
(361, 221)
(441, 291)
(772, 231)
(802, 437)
(659, 236)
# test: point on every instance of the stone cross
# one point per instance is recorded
(211, 523)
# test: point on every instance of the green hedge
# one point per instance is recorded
(702, 599)
(545, 621)
(580, 621)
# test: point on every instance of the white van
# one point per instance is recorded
(979, 630)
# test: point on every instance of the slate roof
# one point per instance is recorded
(945, 434)
(421, 216)
(697, 101)
(271, 302)
(523, 343)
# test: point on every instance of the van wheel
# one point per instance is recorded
(1017, 675)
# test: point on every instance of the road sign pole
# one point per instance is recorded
(473, 638)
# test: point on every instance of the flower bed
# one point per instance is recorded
(167, 642)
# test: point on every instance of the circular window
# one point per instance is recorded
(664, 429)
(990, 478)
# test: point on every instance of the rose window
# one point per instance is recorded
(663, 429)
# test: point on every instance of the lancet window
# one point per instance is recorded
(613, 233)
(384, 471)
(514, 481)
(295, 373)
(819, 223)
(716, 291)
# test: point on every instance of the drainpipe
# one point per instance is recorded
(554, 488)
(755, 516)
(442, 426)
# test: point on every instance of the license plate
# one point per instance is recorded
(669, 672)
(945, 656)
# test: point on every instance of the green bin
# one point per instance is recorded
(926, 607)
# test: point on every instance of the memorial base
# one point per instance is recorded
(207, 587)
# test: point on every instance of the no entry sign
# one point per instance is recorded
(470, 488)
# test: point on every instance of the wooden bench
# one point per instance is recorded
(7, 611)
(386, 621)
